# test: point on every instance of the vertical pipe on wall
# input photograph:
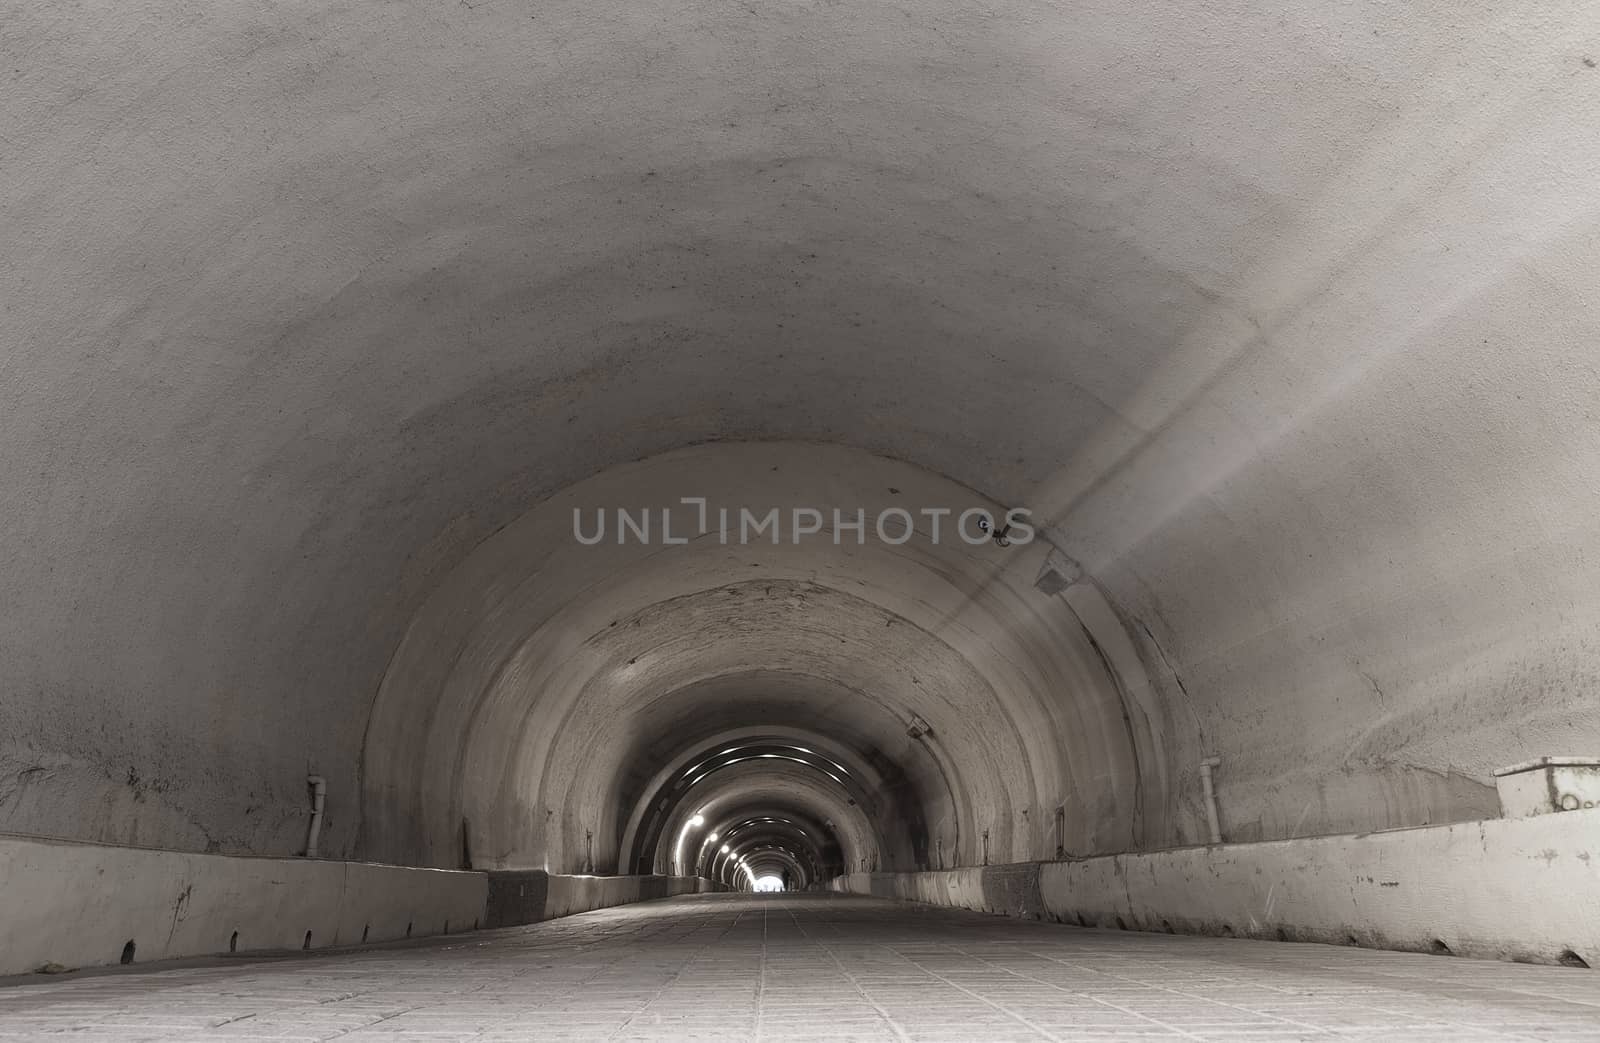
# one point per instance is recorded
(319, 792)
(1208, 790)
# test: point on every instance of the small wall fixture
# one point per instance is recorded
(1058, 573)
(319, 794)
(1208, 792)
(1547, 785)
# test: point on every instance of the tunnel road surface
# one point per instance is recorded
(779, 967)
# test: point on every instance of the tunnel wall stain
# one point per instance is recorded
(1515, 889)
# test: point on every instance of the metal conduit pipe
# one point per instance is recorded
(1213, 824)
(319, 793)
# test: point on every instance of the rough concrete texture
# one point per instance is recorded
(318, 322)
(77, 905)
(80, 905)
(541, 675)
(1518, 889)
(758, 967)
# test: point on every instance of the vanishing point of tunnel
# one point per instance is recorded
(831, 519)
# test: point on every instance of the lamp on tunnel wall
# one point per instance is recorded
(1003, 533)
(695, 821)
(917, 728)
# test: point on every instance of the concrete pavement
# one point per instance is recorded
(816, 967)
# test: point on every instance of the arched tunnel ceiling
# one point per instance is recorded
(544, 681)
(1282, 320)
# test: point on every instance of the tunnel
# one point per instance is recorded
(850, 520)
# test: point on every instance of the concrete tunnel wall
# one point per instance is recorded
(1516, 889)
(318, 325)
(58, 914)
(533, 663)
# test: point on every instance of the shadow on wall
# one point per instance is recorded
(529, 896)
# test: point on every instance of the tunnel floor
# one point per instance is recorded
(816, 967)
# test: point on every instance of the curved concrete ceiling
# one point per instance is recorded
(318, 324)
(782, 843)
(898, 811)
(543, 674)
